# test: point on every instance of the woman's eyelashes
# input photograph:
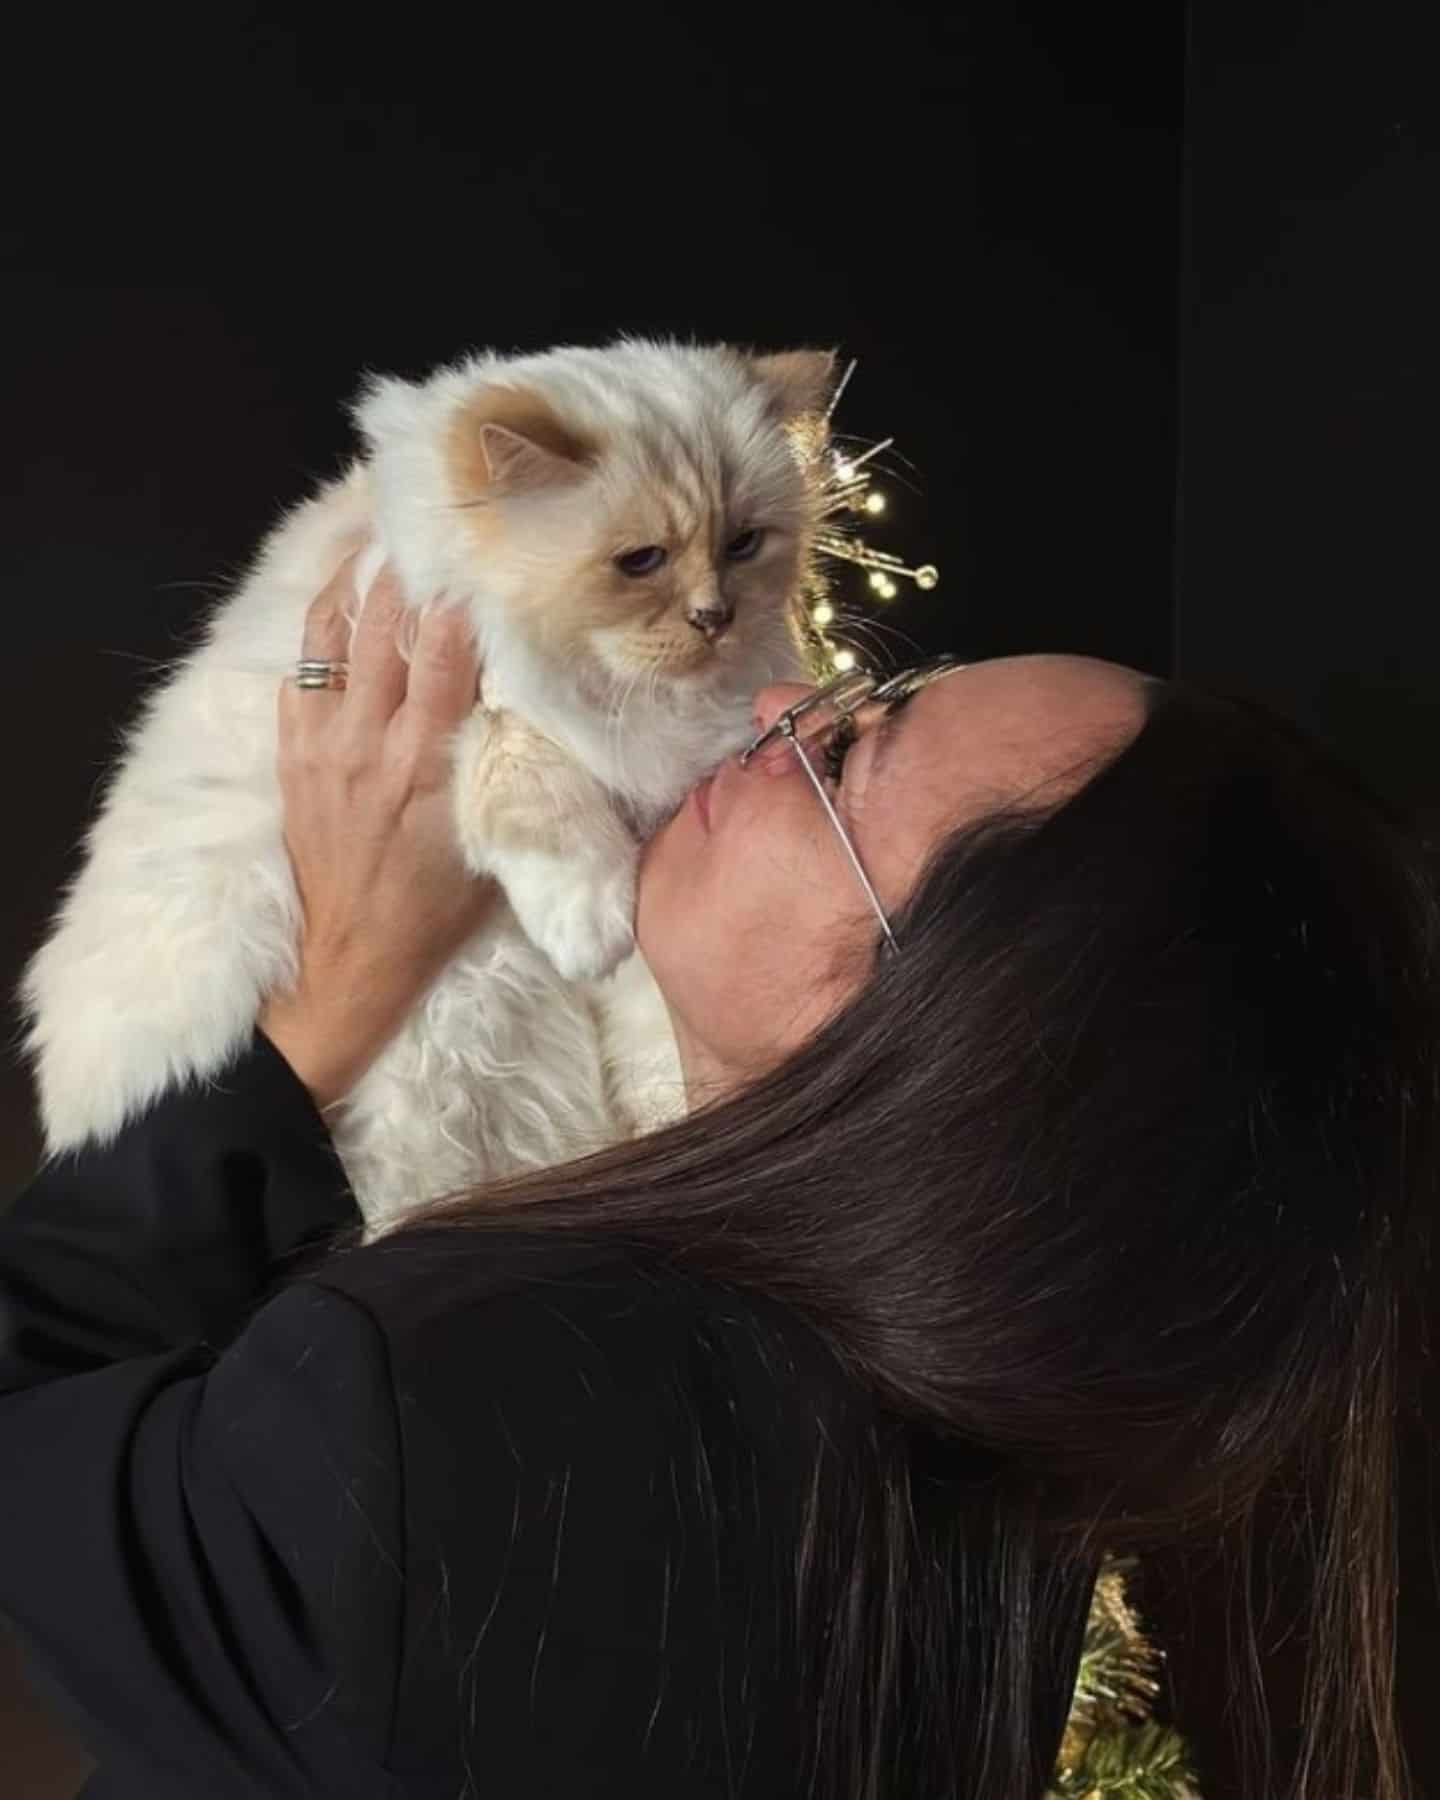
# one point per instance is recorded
(837, 747)
(846, 732)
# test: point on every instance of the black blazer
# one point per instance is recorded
(274, 1525)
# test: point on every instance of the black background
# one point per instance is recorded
(1146, 296)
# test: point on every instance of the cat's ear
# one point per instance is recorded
(802, 381)
(518, 464)
(511, 443)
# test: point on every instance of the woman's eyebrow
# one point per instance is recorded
(885, 734)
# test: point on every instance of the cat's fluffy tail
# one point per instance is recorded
(151, 978)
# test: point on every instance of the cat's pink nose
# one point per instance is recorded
(711, 621)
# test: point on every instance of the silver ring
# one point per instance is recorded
(321, 672)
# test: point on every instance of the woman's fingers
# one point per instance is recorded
(304, 715)
(326, 633)
(386, 897)
(433, 695)
(444, 668)
(377, 669)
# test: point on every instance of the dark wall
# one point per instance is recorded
(1311, 372)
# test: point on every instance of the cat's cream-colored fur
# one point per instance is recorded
(511, 484)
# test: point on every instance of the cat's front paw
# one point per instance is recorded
(586, 930)
(600, 934)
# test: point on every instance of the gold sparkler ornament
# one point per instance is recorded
(849, 496)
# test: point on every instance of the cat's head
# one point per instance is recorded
(648, 508)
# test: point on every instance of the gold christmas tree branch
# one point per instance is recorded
(1112, 1748)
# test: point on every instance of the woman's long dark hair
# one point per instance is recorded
(1119, 1176)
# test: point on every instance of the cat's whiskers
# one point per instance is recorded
(653, 685)
(858, 625)
(614, 724)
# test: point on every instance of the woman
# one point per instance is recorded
(1065, 1205)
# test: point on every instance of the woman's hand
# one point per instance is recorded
(365, 773)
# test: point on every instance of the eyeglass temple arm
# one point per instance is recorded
(787, 729)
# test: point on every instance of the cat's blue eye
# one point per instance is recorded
(641, 562)
(744, 546)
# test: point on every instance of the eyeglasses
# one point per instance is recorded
(842, 697)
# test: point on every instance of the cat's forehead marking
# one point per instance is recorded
(731, 466)
(675, 480)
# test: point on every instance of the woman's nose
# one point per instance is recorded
(765, 708)
(771, 701)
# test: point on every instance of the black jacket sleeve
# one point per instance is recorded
(200, 1522)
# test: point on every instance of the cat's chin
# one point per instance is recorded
(702, 671)
(679, 682)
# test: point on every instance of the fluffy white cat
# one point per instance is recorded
(632, 529)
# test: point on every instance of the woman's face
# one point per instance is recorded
(738, 918)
